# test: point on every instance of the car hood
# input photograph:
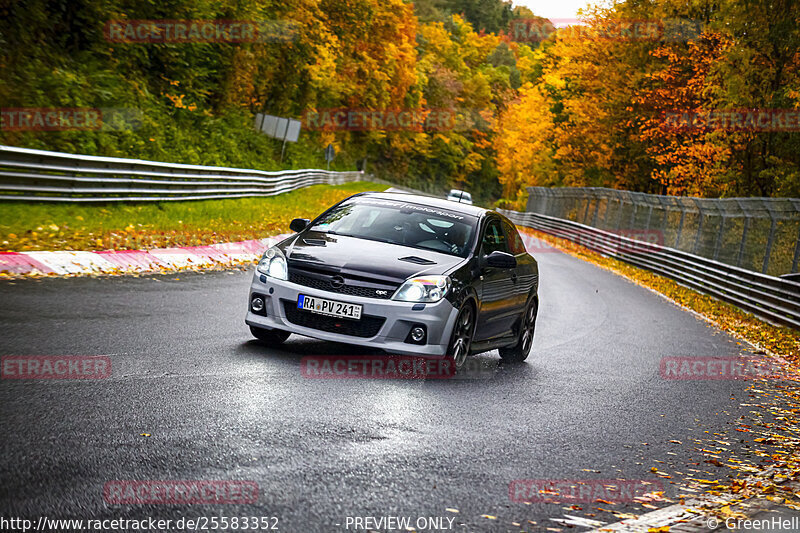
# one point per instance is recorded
(351, 255)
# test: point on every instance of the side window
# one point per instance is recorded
(494, 239)
(514, 240)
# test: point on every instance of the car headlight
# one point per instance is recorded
(273, 264)
(423, 289)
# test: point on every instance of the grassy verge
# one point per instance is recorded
(27, 226)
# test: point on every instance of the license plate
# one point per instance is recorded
(328, 307)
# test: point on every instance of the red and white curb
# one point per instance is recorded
(110, 262)
(21, 264)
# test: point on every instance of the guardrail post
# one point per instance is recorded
(550, 202)
(537, 202)
(73, 173)
(556, 205)
(664, 215)
(619, 215)
(680, 229)
(586, 211)
(740, 258)
(796, 251)
(699, 230)
(770, 240)
(596, 210)
(718, 240)
(608, 212)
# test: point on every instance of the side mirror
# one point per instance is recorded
(500, 259)
(299, 224)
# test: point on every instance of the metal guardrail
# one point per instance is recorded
(38, 175)
(773, 299)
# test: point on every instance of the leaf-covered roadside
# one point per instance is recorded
(769, 468)
(26, 226)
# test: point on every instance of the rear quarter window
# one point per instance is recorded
(515, 243)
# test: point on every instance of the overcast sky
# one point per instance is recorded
(558, 9)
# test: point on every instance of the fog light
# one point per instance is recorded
(417, 334)
(257, 304)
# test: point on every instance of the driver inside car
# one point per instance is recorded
(457, 238)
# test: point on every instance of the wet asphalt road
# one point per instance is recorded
(217, 405)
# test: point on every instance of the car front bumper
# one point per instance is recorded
(438, 318)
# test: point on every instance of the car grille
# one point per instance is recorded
(352, 286)
(368, 326)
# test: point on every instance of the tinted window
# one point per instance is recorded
(401, 223)
(515, 243)
(457, 195)
(494, 239)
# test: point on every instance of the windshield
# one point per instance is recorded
(413, 225)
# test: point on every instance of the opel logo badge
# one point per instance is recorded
(337, 282)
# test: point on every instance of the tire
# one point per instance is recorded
(519, 352)
(461, 338)
(269, 336)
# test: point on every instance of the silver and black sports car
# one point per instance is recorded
(408, 274)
